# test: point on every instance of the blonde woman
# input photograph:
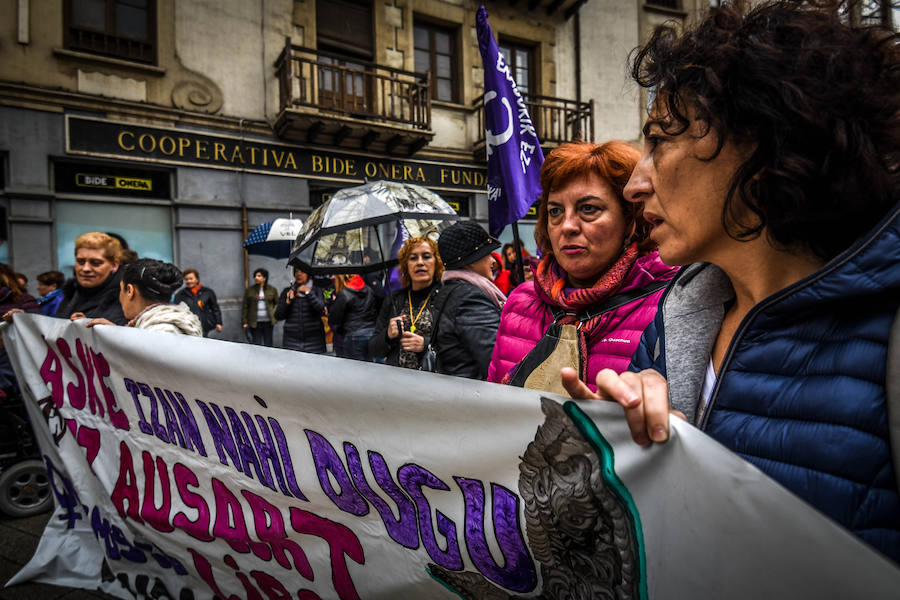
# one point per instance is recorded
(95, 294)
(406, 320)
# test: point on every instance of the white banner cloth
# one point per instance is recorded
(187, 468)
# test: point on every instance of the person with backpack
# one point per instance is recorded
(352, 315)
(597, 285)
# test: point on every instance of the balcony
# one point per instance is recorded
(556, 121)
(331, 101)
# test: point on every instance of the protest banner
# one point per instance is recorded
(192, 468)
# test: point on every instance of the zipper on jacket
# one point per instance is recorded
(777, 297)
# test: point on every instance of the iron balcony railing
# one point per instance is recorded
(98, 42)
(556, 120)
(314, 79)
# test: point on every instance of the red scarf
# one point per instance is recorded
(550, 284)
(552, 281)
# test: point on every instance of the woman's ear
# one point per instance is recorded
(130, 290)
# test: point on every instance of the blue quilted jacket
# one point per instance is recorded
(801, 391)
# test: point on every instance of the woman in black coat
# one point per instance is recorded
(352, 315)
(406, 320)
(301, 306)
(95, 292)
(470, 303)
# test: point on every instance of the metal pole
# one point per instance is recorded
(246, 255)
(520, 268)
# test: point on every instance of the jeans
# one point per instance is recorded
(262, 333)
(356, 345)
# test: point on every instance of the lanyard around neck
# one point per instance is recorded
(412, 327)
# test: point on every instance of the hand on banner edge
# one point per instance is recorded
(644, 396)
(8, 315)
(100, 321)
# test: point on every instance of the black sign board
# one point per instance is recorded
(128, 141)
(110, 180)
(458, 203)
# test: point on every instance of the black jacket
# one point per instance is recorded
(466, 330)
(379, 345)
(97, 302)
(303, 328)
(204, 305)
(353, 310)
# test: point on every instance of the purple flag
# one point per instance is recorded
(514, 153)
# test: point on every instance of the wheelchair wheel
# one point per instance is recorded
(25, 489)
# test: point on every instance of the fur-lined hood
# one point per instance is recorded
(171, 318)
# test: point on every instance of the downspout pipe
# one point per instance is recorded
(577, 26)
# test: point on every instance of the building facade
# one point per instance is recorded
(181, 125)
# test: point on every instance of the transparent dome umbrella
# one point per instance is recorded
(360, 229)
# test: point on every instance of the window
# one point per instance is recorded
(673, 4)
(875, 12)
(146, 228)
(521, 64)
(345, 27)
(344, 38)
(123, 29)
(435, 53)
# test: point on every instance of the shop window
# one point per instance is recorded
(526, 237)
(147, 229)
(124, 29)
(435, 53)
(520, 59)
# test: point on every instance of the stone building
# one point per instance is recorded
(181, 125)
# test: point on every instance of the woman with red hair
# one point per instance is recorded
(597, 285)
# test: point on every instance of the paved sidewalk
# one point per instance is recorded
(18, 541)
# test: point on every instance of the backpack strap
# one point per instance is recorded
(611, 303)
(892, 395)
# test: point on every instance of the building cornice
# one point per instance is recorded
(59, 100)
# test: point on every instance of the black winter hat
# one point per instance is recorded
(465, 242)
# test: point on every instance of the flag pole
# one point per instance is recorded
(520, 266)
(512, 148)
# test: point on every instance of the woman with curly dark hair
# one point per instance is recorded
(770, 169)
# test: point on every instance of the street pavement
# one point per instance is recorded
(18, 541)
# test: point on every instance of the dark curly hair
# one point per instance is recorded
(816, 96)
(154, 279)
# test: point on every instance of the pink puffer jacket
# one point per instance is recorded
(527, 314)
